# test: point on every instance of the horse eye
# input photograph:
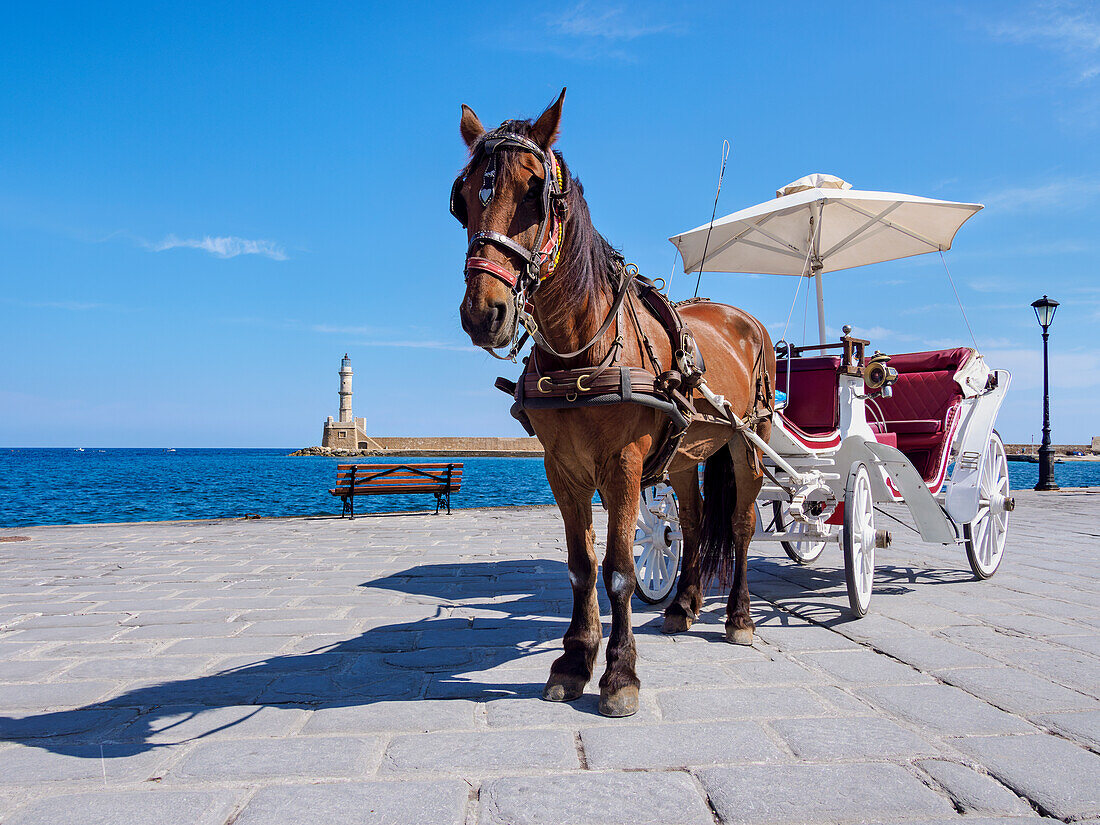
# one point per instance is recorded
(533, 190)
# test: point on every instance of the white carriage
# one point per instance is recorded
(854, 430)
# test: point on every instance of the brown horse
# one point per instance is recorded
(522, 237)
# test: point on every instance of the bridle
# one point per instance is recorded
(547, 248)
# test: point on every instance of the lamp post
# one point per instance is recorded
(1044, 312)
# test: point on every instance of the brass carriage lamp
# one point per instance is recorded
(1044, 313)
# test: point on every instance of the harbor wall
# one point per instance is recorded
(436, 446)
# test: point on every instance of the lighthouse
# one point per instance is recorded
(347, 432)
(345, 389)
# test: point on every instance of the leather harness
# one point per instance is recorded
(668, 390)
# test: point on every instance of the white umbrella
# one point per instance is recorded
(820, 224)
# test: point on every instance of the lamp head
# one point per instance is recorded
(1044, 311)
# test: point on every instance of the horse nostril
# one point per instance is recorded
(495, 316)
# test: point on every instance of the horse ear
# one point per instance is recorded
(545, 130)
(470, 126)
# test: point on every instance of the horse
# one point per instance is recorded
(535, 257)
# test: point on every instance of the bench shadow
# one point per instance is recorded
(445, 657)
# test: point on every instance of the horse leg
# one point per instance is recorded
(748, 480)
(682, 610)
(619, 683)
(573, 669)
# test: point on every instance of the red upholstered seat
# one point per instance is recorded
(925, 401)
(812, 395)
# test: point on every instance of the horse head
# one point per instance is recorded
(510, 198)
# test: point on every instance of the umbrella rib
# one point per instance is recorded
(851, 236)
(724, 246)
(914, 235)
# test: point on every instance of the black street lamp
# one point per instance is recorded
(1044, 312)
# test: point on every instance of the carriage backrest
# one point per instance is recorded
(812, 396)
(926, 388)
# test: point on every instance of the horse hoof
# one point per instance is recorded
(624, 702)
(560, 692)
(739, 636)
(676, 623)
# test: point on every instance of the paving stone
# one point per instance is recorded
(805, 638)
(153, 667)
(48, 761)
(96, 725)
(864, 667)
(30, 670)
(868, 737)
(405, 716)
(867, 792)
(180, 724)
(51, 695)
(932, 654)
(738, 703)
(672, 746)
(603, 798)
(361, 803)
(1019, 692)
(1061, 777)
(130, 807)
(477, 751)
(974, 792)
(945, 709)
(290, 758)
(1084, 727)
(583, 712)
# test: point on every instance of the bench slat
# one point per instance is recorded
(345, 467)
(387, 491)
(402, 482)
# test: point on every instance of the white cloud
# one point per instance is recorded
(612, 23)
(75, 306)
(1064, 193)
(1068, 29)
(419, 345)
(228, 246)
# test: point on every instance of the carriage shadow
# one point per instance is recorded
(819, 593)
(444, 658)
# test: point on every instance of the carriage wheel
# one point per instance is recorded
(657, 544)
(803, 552)
(858, 538)
(984, 537)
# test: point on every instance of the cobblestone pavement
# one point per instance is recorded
(388, 670)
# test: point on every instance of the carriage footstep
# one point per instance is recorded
(624, 702)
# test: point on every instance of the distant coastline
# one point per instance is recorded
(443, 447)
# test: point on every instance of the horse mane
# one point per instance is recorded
(589, 265)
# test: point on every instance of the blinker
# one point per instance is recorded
(488, 182)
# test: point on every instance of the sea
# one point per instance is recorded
(71, 486)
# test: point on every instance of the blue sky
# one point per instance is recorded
(203, 206)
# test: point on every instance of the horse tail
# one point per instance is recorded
(717, 553)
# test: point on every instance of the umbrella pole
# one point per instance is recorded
(820, 307)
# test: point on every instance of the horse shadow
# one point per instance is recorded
(507, 621)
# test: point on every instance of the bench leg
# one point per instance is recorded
(438, 502)
(347, 507)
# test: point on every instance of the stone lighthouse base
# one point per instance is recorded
(345, 435)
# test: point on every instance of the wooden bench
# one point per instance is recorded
(396, 479)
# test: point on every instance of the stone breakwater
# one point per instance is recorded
(442, 447)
